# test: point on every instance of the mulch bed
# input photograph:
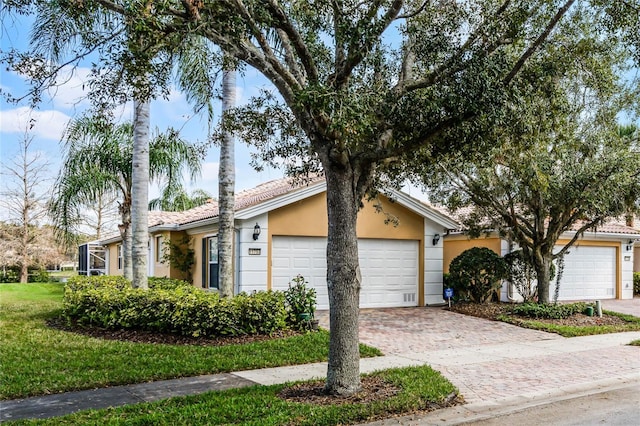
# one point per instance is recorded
(373, 389)
(492, 310)
(141, 336)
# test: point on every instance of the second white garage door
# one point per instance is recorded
(589, 273)
(389, 269)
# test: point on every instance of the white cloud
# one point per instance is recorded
(209, 174)
(123, 113)
(73, 88)
(48, 124)
(208, 181)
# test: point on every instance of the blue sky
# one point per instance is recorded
(69, 101)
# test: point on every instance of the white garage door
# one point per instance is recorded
(389, 269)
(589, 273)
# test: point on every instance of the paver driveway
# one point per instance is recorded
(491, 361)
(402, 330)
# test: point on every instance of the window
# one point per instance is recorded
(210, 263)
(158, 248)
(119, 256)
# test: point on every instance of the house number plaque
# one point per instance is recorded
(254, 251)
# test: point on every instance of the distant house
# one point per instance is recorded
(281, 232)
(599, 266)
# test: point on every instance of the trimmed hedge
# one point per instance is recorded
(549, 311)
(172, 306)
(636, 283)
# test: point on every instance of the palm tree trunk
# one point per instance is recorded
(125, 233)
(226, 190)
(140, 194)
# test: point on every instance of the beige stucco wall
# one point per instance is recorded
(113, 260)
(196, 245)
(454, 245)
(636, 259)
(160, 269)
(308, 217)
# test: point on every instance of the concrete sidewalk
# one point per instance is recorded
(489, 376)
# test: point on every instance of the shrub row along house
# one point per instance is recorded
(404, 248)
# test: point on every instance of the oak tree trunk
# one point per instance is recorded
(343, 281)
(543, 274)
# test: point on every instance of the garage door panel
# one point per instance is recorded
(589, 273)
(389, 269)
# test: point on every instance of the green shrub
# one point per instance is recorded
(459, 292)
(477, 273)
(170, 306)
(636, 283)
(39, 276)
(167, 283)
(549, 311)
(521, 274)
(10, 274)
(300, 300)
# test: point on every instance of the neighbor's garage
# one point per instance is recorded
(589, 273)
(389, 269)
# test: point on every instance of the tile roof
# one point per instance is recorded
(611, 226)
(243, 200)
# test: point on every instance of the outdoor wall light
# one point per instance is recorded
(256, 232)
(436, 238)
(630, 245)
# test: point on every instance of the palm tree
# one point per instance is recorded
(140, 193)
(98, 161)
(226, 189)
(178, 200)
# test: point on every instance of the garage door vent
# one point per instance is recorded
(409, 297)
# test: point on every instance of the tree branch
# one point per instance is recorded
(357, 51)
(298, 43)
(538, 42)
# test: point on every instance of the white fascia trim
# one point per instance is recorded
(201, 227)
(281, 201)
(591, 235)
(424, 210)
(110, 240)
(164, 227)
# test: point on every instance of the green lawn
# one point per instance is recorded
(38, 360)
(421, 388)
